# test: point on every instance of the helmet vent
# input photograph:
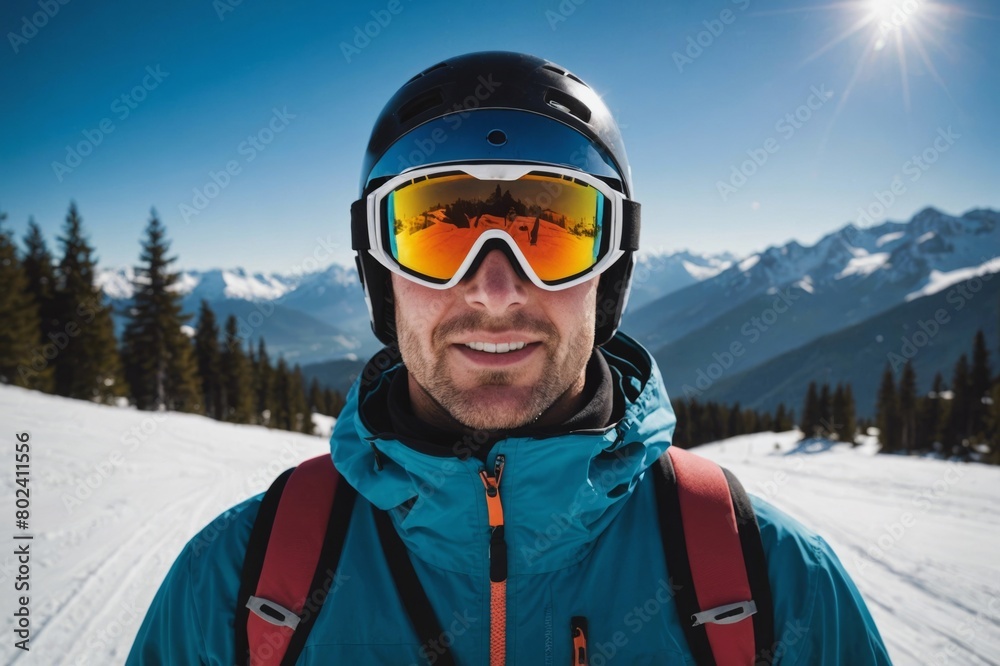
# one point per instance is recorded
(562, 72)
(423, 102)
(568, 104)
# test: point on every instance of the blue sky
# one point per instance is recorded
(699, 89)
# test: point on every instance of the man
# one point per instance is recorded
(506, 460)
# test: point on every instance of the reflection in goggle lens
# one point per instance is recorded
(556, 222)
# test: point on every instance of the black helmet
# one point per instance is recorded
(493, 106)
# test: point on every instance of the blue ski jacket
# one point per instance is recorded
(583, 540)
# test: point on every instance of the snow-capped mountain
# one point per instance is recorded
(328, 306)
(302, 331)
(656, 275)
(758, 310)
(214, 284)
(848, 276)
(858, 272)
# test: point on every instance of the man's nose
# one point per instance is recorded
(496, 285)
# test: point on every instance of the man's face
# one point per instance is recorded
(493, 391)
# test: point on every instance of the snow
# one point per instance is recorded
(805, 284)
(939, 281)
(918, 536)
(888, 238)
(703, 272)
(749, 262)
(252, 287)
(116, 493)
(186, 283)
(115, 283)
(864, 264)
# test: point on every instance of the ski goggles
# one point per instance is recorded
(432, 225)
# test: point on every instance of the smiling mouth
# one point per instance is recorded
(496, 348)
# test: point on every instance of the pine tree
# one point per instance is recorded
(811, 413)
(303, 415)
(209, 358)
(19, 324)
(682, 431)
(782, 422)
(887, 412)
(237, 380)
(282, 414)
(317, 402)
(957, 431)
(929, 409)
(849, 425)
(735, 423)
(334, 401)
(838, 407)
(88, 365)
(696, 415)
(713, 427)
(42, 285)
(908, 408)
(980, 377)
(993, 426)
(826, 425)
(159, 358)
(263, 384)
(766, 422)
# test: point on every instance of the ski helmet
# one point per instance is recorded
(493, 106)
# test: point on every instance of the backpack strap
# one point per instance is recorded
(412, 593)
(291, 562)
(715, 559)
(291, 565)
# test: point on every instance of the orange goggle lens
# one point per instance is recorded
(558, 223)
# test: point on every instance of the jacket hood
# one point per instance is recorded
(559, 492)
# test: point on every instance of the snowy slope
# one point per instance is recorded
(920, 537)
(116, 493)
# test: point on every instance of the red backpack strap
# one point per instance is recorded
(715, 560)
(302, 522)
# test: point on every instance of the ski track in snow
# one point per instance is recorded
(101, 551)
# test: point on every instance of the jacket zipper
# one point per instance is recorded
(498, 565)
(578, 625)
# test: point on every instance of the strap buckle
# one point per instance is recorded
(728, 614)
(273, 613)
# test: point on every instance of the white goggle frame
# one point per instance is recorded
(506, 172)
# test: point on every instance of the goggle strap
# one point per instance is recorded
(359, 226)
(630, 225)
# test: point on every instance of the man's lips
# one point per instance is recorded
(498, 357)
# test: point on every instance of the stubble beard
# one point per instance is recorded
(494, 402)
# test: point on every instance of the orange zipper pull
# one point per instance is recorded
(493, 504)
(579, 627)
(498, 565)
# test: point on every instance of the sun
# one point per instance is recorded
(908, 30)
(894, 16)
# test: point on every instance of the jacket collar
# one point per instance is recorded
(559, 493)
